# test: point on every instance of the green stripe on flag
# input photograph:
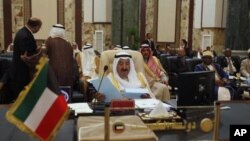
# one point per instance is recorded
(33, 95)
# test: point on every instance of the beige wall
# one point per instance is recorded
(184, 19)
(88, 29)
(48, 16)
(166, 21)
(69, 19)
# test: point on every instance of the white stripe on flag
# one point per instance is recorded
(40, 109)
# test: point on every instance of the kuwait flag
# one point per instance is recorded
(38, 111)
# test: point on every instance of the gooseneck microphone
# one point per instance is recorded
(105, 68)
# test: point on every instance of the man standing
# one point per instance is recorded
(24, 45)
(188, 50)
(155, 74)
(151, 43)
(60, 55)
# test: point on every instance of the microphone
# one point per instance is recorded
(105, 68)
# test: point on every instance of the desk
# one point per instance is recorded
(91, 128)
(9, 132)
(238, 114)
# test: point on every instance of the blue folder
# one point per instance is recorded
(110, 92)
(106, 88)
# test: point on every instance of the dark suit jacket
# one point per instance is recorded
(222, 60)
(223, 75)
(20, 73)
(220, 71)
(181, 65)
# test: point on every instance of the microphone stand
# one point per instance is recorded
(95, 97)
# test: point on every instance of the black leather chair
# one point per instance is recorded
(163, 58)
(5, 63)
(170, 67)
(192, 62)
(78, 93)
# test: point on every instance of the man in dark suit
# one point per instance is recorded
(24, 45)
(223, 89)
(181, 64)
(229, 63)
(151, 43)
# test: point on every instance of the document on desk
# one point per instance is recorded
(106, 88)
(150, 103)
(134, 93)
(80, 108)
(110, 92)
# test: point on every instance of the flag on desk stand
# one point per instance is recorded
(38, 111)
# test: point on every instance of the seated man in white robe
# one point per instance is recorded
(155, 74)
(88, 64)
(125, 76)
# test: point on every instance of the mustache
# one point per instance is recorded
(124, 69)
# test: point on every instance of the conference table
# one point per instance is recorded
(236, 112)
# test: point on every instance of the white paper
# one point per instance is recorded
(136, 90)
(159, 111)
(80, 108)
(149, 103)
(110, 92)
(231, 77)
(134, 93)
(243, 78)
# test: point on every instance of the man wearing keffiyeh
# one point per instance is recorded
(155, 74)
(60, 54)
(124, 74)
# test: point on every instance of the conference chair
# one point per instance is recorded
(192, 62)
(107, 58)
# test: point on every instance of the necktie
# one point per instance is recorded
(230, 66)
(149, 42)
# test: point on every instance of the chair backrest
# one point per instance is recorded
(107, 58)
(170, 64)
(192, 62)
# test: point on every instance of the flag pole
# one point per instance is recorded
(217, 121)
(106, 123)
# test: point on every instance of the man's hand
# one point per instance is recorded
(220, 83)
(100, 97)
(145, 96)
(165, 82)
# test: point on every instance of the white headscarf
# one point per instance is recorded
(125, 47)
(57, 30)
(133, 81)
(88, 61)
